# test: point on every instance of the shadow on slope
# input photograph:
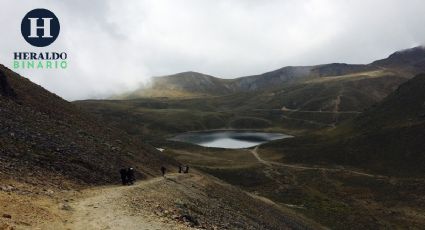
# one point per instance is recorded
(387, 138)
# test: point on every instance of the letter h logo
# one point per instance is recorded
(40, 27)
(45, 27)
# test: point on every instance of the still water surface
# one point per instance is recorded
(229, 139)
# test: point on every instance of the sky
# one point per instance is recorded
(115, 46)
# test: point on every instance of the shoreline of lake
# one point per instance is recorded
(229, 139)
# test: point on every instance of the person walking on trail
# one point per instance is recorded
(163, 169)
(187, 169)
(123, 173)
(180, 168)
(130, 176)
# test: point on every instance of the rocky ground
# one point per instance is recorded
(55, 161)
(43, 136)
(178, 201)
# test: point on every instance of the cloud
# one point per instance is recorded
(115, 46)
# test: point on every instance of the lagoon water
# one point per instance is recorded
(229, 139)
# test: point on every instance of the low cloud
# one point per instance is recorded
(115, 46)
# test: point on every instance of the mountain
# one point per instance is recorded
(356, 160)
(387, 138)
(187, 84)
(303, 97)
(340, 69)
(405, 63)
(271, 79)
(43, 136)
(411, 60)
(403, 107)
(52, 154)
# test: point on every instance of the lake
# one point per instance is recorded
(229, 139)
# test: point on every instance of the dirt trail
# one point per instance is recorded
(335, 110)
(177, 202)
(107, 208)
(269, 163)
(261, 160)
(337, 103)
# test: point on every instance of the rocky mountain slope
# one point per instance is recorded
(405, 63)
(185, 201)
(387, 138)
(187, 84)
(42, 134)
(57, 164)
(303, 97)
(410, 60)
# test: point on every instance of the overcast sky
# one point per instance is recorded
(115, 45)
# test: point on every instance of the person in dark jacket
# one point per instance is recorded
(163, 169)
(123, 173)
(130, 176)
(187, 169)
(180, 168)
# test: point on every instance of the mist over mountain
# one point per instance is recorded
(233, 115)
(409, 59)
(42, 134)
(405, 64)
(60, 163)
(356, 128)
(223, 39)
(357, 149)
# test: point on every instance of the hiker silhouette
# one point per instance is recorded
(123, 173)
(127, 176)
(163, 169)
(130, 176)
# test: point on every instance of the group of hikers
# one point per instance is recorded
(128, 178)
(182, 169)
(186, 169)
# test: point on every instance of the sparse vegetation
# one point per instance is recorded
(356, 162)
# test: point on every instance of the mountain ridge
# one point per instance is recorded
(387, 138)
(43, 134)
(405, 62)
(53, 156)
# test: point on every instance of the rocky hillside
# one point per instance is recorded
(312, 98)
(272, 79)
(187, 84)
(404, 107)
(43, 136)
(294, 97)
(185, 201)
(410, 60)
(340, 69)
(404, 63)
(387, 138)
(52, 153)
